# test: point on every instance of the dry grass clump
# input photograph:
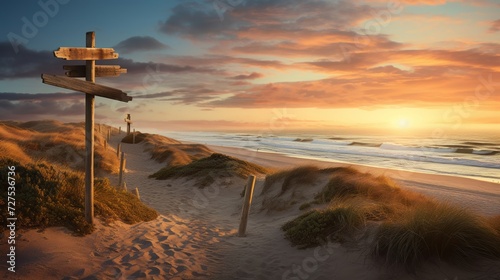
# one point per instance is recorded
(209, 168)
(47, 196)
(440, 231)
(316, 227)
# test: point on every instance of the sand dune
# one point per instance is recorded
(57, 143)
(195, 235)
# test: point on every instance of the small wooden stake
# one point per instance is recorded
(122, 166)
(137, 193)
(133, 137)
(119, 130)
(125, 186)
(246, 205)
(105, 145)
(109, 134)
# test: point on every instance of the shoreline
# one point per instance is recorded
(414, 155)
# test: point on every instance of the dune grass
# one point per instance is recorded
(319, 226)
(55, 142)
(209, 168)
(440, 231)
(301, 175)
(139, 137)
(48, 195)
(172, 152)
(178, 154)
(412, 228)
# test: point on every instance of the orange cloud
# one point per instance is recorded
(495, 26)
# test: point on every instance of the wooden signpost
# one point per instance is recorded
(90, 54)
(128, 121)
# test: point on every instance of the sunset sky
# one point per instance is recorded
(254, 64)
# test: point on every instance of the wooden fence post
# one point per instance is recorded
(133, 137)
(89, 134)
(137, 193)
(122, 167)
(105, 145)
(246, 205)
(128, 121)
(109, 134)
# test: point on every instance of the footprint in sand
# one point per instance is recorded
(153, 256)
(162, 238)
(154, 271)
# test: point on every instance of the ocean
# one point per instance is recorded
(471, 157)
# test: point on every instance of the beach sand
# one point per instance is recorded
(195, 236)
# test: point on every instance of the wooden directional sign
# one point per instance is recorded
(90, 54)
(79, 71)
(85, 53)
(87, 87)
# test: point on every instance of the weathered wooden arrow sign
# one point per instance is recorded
(85, 53)
(79, 71)
(87, 87)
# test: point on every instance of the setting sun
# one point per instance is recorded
(403, 123)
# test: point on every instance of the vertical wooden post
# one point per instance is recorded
(109, 134)
(119, 130)
(246, 205)
(89, 134)
(137, 193)
(122, 163)
(133, 137)
(105, 145)
(118, 149)
(128, 124)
